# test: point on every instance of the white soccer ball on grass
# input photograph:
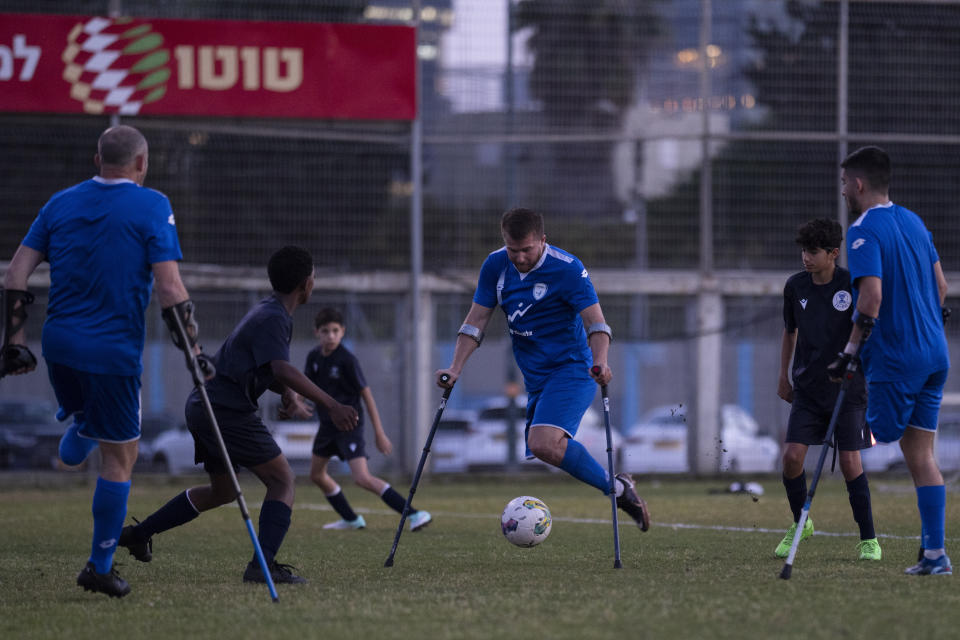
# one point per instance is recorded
(526, 521)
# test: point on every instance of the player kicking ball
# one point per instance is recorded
(333, 368)
(558, 334)
(817, 313)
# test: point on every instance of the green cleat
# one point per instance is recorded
(783, 549)
(869, 549)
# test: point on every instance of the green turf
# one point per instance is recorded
(460, 579)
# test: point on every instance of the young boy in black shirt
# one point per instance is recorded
(817, 312)
(333, 368)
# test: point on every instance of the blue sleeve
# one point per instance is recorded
(38, 237)
(486, 293)
(162, 242)
(934, 256)
(580, 291)
(863, 254)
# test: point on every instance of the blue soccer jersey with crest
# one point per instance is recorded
(542, 308)
(893, 244)
(101, 238)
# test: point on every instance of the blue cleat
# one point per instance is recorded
(927, 567)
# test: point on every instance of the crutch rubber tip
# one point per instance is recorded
(618, 565)
(389, 562)
(785, 572)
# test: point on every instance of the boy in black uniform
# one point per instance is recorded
(337, 371)
(817, 305)
(254, 358)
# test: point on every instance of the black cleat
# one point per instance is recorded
(280, 573)
(142, 550)
(111, 583)
(633, 504)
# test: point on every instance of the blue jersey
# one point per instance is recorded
(893, 244)
(243, 361)
(101, 238)
(542, 308)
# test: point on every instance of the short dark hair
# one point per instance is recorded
(288, 268)
(328, 315)
(518, 223)
(874, 165)
(119, 145)
(820, 233)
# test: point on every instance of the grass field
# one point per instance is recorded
(704, 570)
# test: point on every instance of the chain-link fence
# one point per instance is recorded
(672, 144)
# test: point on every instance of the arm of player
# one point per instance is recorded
(384, 445)
(479, 317)
(941, 281)
(344, 417)
(292, 405)
(787, 344)
(599, 343)
(868, 304)
(169, 288)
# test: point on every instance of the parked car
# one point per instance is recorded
(447, 453)
(481, 444)
(29, 435)
(658, 443)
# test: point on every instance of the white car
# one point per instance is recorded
(658, 443)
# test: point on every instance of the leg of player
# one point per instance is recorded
(348, 518)
(275, 514)
(74, 448)
(555, 447)
(917, 447)
(109, 511)
(184, 507)
(795, 484)
(361, 475)
(858, 491)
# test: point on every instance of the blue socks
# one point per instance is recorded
(274, 523)
(109, 511)
(932, 503)
(578, 462)
(74, 449)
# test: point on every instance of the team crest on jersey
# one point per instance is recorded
(334, 371)
(539, 290)
(842, 300)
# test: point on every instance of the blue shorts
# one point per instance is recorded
(914, 402)
(562, 402)
(105, 407)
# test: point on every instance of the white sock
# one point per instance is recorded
(619, 486)
(335, 491)
(933, 554)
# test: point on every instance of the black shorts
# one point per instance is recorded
(345, 445)
(809, 421)
(249, 442)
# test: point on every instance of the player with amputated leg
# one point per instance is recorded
(558, 332)
(254, 358)
(817, 311)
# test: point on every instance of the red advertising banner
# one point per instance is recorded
(141, 66)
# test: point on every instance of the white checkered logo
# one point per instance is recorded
(115, 65)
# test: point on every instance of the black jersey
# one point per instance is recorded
(822, 316)
(338, 374)
(243, 362)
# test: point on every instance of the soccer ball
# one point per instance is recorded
(526, 521)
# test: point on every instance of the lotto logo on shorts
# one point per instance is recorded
(116, 65)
